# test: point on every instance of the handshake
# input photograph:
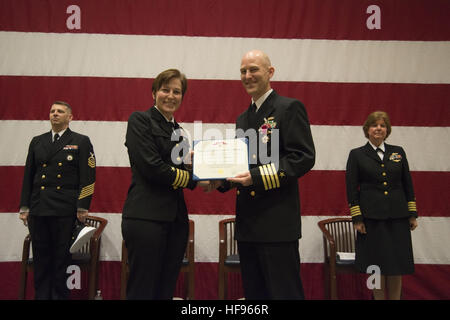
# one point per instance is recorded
(245, 179)
(210, 185)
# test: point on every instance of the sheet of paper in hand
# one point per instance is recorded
(220, 159)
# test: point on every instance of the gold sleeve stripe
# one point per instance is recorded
(275, 174)
(266, 173)
(186, 179)
(181, 179)
(263, 177)
(412, 206)
(269, 170)
(86, 191)
(177, 178)
(355, 211)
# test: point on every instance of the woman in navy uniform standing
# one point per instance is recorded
(382, 205)
(155, 220)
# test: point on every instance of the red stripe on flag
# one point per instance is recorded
(221, 101)
(290, 19)
(322, 193)
(429, 282)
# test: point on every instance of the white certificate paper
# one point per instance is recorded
(220, 159)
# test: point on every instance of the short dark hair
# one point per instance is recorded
(62, 103)
(373, 118)
(167, 75)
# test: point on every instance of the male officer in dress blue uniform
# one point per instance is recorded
(268, 223)
(57, 189)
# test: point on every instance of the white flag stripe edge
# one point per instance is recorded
(110, 55)
(333, 143)
(429, 238)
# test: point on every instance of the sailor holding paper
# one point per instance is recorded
(268, 223)
(154, 220)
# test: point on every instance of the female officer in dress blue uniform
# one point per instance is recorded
(155, 220)
(383, 206)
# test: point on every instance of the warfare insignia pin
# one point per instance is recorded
(395, 157)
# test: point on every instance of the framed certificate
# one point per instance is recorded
(220, 159)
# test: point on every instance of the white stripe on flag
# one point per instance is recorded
(333, 143)
(135, 56)
(427, 238)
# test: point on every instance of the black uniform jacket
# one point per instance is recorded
(59, 177)
(269, 210)
(379, 189)
(156, 190)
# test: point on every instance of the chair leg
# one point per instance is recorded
(333, 286)
(191, 285)
(185, 286)
(23, 282)
(123, 282)
(326, 281)
(225, 286)
(92, 282)
(221, 295)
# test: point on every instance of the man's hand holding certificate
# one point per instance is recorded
(220, 159)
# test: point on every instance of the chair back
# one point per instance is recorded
(226, 238)
(338, 236)
(87, 257)
(339, 233)
(99, 224)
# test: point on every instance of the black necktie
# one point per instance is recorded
(172, 126)
(55, 138)
(252, 116)
(379, 150)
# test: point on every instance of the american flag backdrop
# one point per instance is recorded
(342, 59)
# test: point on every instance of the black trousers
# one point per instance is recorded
(51, 239)
(271, 271)
(155, 253)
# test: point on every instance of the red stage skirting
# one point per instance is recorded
(425, 284)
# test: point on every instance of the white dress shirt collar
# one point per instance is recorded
(173, 118)
(60, 133)
(381, 146)
(261, 100)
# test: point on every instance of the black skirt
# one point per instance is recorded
(387, 244)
